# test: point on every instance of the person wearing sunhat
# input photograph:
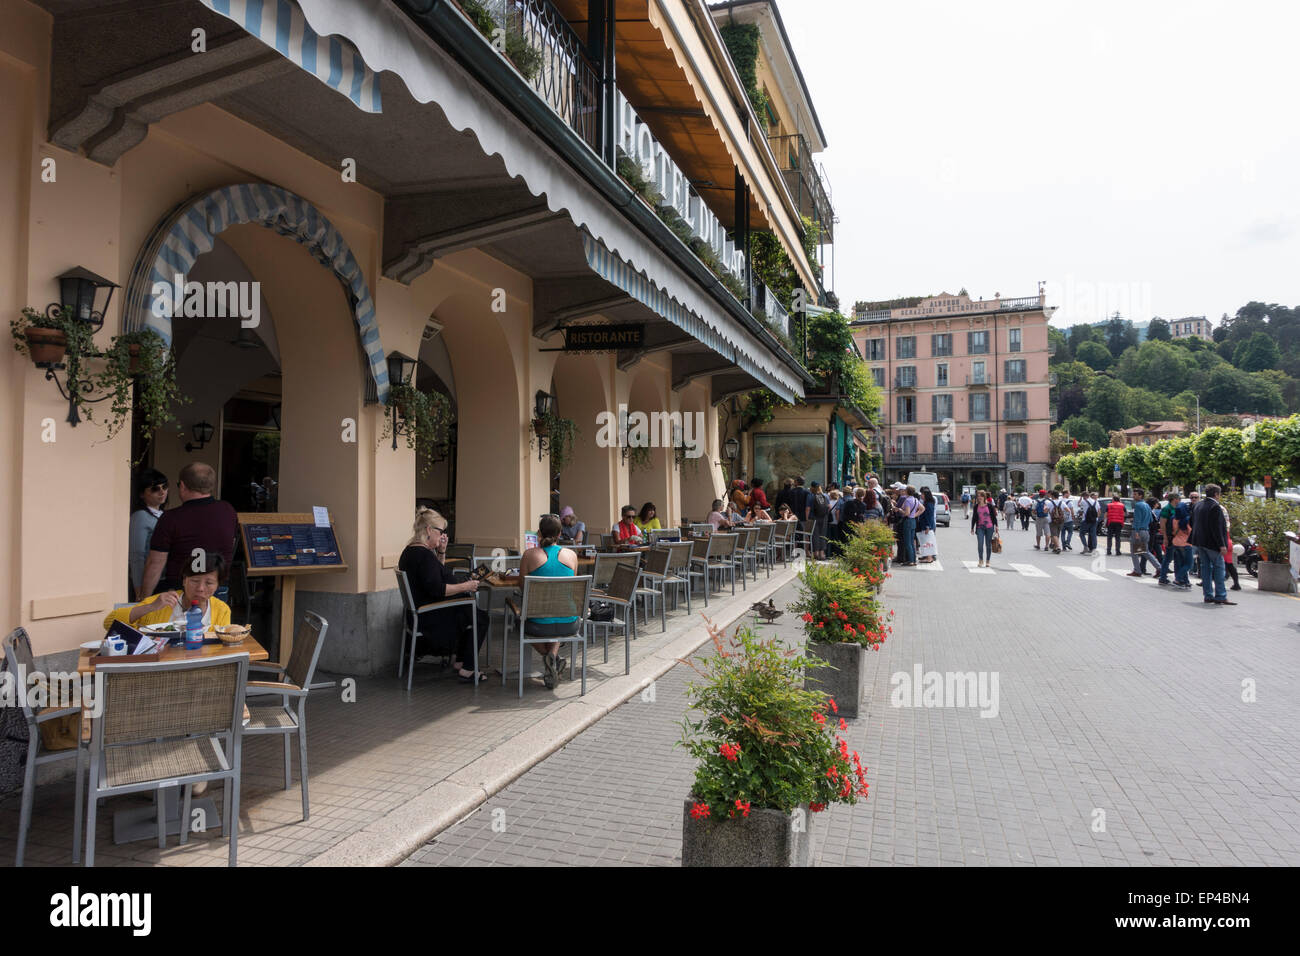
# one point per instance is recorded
(571, 529)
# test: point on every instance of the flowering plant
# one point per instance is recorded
(865, 549)
(837, 609)
(763, 740)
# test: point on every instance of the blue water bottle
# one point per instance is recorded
(194, 627)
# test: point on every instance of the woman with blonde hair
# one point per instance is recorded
(444, 630)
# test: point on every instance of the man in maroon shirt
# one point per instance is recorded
(200, 523)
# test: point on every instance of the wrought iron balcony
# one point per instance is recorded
(978, 381)
(904, 384)
(942, 458)
(1015, 415)
(804, 179)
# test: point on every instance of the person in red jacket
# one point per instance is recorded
(1114, 523)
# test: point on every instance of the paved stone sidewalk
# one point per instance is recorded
(387, 766)
(1114, 696)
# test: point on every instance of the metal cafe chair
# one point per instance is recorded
(603, 572)
(763, 547)
(661, 535)
(551, 597)
(745, 556)
(701, 527)
(722, 557)
(21, 664)
(292, 680)
(657, 575)
(679, 567)
(411, 624)
(167, 724)
(621, 592)
(701, 549)
(785, 539)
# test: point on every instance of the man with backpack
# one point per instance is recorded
(965, 503)
(1089, 515)
(1042, 516)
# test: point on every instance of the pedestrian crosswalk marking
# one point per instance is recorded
(974, 568)
(1029, 571)
(1083, 574)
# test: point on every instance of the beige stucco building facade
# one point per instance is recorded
(474, 257)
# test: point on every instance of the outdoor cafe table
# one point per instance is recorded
(141, 823)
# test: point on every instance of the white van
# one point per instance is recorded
(924, 479)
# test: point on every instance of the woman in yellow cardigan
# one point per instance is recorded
(170, 606)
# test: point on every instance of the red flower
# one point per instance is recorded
(831, 701)
(699, 811)
(835, 604)
(807, 618)
(730, 751)
(831, 772)
(856, 571)
(816, 807)
(843, 726)
(820, 718)
(820, 624)
(743, 807)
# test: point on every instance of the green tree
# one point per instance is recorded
(1140, 465)
(1144, 405)
(1219, 455)
(1094, 355)
(1159, 366)
(1158, 330)
(1120, 335)
(1273, 448)
(1108, 403)
(1257, 353)
(1177, 462)
(1086, 430)
(1062, 354)
(1076, 335)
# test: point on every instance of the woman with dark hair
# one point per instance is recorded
(871, 504)
(648, 519)
(549, 559)
(757, 497)
(199, 582)
(927, 522)
(446, 630)
(146, 508)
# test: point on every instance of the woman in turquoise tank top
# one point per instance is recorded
(549, 559)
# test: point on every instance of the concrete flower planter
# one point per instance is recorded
(847, 681)
(764, 838)
(1275, 576)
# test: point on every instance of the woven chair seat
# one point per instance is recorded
(159, 760)
(267, 716)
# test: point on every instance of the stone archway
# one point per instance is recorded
(190, 230)
(589, 483)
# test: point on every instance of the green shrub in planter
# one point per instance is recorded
(1268, 520)
(762, 740)
(836, 608)
(864, 550)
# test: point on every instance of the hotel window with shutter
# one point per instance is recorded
(977, 343)
(941, 344)
(907, 446)
(906, 410)
(940, 408)
(875, 349)
(1017, 446)
(1013, 340)
(1014, 370)
(878, 375)
(905, 347)
(941, 374)
(979, 406)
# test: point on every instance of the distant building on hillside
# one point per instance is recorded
(1151, 432)
(1192, 326)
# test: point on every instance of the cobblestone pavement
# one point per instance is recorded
(1121, 736)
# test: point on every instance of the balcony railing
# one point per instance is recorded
(804, 180)
(1015, 415)
(943, 458)
(551, 57)
(904, 383)
(978, 381)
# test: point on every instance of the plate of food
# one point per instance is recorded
(170, 631)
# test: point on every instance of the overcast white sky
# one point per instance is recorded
(1140, 156)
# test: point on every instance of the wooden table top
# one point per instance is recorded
(256, 652)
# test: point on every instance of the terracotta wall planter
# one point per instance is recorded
(846, 681)
(1275, 576)
(764, 838)
(46, 345)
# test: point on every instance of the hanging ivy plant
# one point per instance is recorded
(425, 419)
(560, 434)
(138, 357)
(638, 458)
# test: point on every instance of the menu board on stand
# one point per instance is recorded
(285, 546)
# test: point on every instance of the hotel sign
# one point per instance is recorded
(636, 140)
(603, 338)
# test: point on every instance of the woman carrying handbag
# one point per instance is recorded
(984, 525)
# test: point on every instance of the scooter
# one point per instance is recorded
(1247, 556)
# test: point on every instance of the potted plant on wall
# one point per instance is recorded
(138, 357)
(49, 339)
(768, 756)
(841, 621)
(422, 417)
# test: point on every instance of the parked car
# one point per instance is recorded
(942, 510)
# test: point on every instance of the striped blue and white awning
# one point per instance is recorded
(621, 273)
(333, 60)
(191, 229)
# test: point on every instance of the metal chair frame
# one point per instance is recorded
(534, 583)
(411, 624)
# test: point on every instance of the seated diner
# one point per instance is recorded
(572, 531)
(648, 519)
(550, 559)
(442, 630)
(170, 607)
(626, 531)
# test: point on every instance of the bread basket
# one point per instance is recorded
(232, 633)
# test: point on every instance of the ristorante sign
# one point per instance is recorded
(636, 140)
(603, 338)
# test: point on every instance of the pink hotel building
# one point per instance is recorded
(966, 386)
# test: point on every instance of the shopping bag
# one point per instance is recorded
(996, 545)
(926, 547)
